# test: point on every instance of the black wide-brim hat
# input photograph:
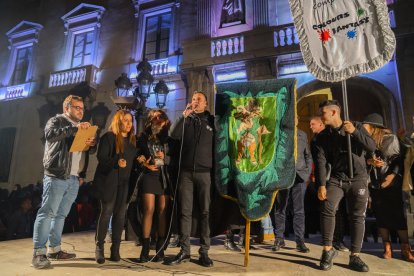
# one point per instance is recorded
(374, 119)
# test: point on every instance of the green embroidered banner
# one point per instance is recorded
(255, 142)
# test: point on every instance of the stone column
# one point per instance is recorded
(204, 18)
(260, 13)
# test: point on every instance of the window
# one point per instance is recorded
(82, 49)
(23, 40)
(23, 58)
(82, 32)
(157, 36)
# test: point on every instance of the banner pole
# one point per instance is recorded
(247, 243)
(348, 136)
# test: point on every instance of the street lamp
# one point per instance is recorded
(161, 92)
(144, 78)
(135, 98)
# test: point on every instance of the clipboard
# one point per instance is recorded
(79, 143)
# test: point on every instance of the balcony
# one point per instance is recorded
(67, 79)
(16, 91)
(227, 46)
(285, 35)
(159, 66)
(259, 43)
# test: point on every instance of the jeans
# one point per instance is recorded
(57, 199)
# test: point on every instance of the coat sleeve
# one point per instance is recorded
(362, 136)
(319, 159)
(308, 156)
(107, 156)
(177, 129)
(53, 131)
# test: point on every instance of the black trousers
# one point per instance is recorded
(194, 186)
(340, 222)
(356, 195)
(116, 208)
(297, 192)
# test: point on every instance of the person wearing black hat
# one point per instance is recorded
(330, 147)
(386, 169)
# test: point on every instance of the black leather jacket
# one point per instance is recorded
(390, 154)
(57, 160)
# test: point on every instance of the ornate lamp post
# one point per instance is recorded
(135, 98)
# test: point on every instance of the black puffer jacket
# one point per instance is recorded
(197, 153)
(57, 160)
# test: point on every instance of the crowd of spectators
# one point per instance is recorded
(19, 207)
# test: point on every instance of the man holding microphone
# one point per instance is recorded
(195, 175)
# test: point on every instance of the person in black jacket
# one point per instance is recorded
(386, 170)
(152, 148)
(116, 154)
(330, 147)
(297, 193)
(195, 131)
(64, 172)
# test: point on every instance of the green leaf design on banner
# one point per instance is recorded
(255, 142)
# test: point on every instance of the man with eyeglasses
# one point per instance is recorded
(64, 171)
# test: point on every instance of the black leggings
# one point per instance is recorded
(116, 208)
(356, 195)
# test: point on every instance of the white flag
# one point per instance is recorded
(342, 38)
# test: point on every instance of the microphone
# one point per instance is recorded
(192, 114)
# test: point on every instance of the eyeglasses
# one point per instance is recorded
(78, 108)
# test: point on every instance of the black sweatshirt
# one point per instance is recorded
(330, 147)
(197, 153)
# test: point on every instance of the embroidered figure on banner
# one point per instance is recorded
(247, 142)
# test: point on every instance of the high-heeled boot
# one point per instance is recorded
(160, 247)
(115, 257)
(99, 253)
(406, 253)
(144, 257)
(387, 250)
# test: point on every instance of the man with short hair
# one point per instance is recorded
(330, 146)
(64, 171)
(316, 125)
(195, 131)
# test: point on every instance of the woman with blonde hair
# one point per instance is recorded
(386, 169)
(153, 185)
(116, 154)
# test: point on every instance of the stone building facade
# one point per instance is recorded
(49, 49)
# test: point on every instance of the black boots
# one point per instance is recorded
(144, 257)
(115, 257)
(159, 248)
(99, 253)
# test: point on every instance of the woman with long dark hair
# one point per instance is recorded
(116, 154)
(386, 166)
(152, 145)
